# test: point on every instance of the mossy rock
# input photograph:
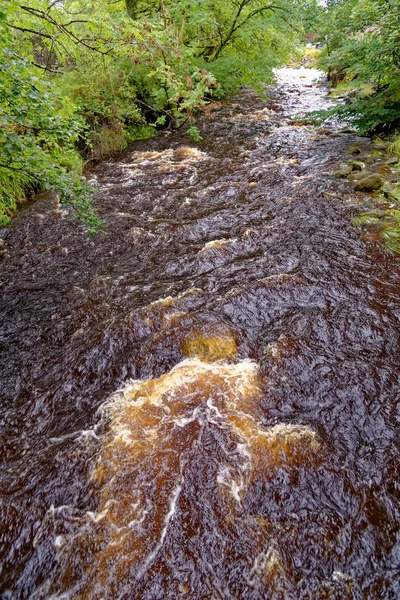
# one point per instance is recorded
(391, 193)
(357, 165)
(366, 219)
(354, 150)
(382, 145)
(369, 184)
(358, 175)
(343, 171)
(348, 130)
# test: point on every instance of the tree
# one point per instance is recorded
(366, 48)
(38, 131)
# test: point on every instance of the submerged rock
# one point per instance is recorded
(209, 347)
(369, 184)
(345, 170)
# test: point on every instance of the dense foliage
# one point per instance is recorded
(38, 134)
(362, 53)
(81, 79)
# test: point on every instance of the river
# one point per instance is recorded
(203, 403)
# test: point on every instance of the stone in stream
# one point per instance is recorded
(344, 171)
(369, 184)
(357, 165)
(390, 192)
(348, 130)
(392, 161)
(209, 347)
(354, 150)
(358, 175)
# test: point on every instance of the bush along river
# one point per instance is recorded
(202, 403)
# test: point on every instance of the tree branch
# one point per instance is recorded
(62, 27)
(25, 30)
(236, 24)
(44, 67)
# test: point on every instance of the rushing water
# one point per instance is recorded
(203, 403)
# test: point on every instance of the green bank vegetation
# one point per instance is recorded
(361, 52)
(81, 79)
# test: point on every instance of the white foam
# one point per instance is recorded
(167, 519)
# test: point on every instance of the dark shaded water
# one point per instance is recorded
(256, 455)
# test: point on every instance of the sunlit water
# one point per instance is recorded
(302, 90)
(203, 403)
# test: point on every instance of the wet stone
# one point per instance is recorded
(369, 184)
(359, 175)
(354, 150)
(344, 171)
(357, 165)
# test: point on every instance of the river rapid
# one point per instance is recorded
(203, 403)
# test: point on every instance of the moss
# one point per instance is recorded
(354, 150)
(389, 223)
(369, 184)
(391, 237)
(366, 219)
(357, 165)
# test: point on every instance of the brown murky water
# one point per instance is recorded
(203, 403)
